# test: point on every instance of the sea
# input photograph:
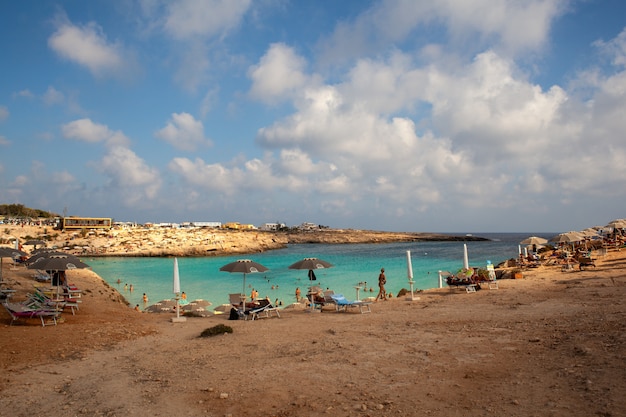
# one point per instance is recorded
(354, 265)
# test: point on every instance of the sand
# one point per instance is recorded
(550, 344)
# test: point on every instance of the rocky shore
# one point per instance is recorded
(200, 241)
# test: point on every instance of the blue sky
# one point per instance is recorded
(410, 115)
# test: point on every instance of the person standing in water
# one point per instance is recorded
(382, 280)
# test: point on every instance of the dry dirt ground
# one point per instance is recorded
(550, 344)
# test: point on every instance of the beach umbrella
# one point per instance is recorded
(58, 263)
(223, 308)
(34, 243)
(196, 306)
(567, 237)
(162, 306)
(617, 224)
(199, 303)
(465, 257)
(534, 240)
(48, 253)
(244, 266)
(176, 287)
(6, 252)
(310, 264)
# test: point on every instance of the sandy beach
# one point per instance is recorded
(550, 344)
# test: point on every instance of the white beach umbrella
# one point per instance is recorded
(534, 240)
(465, 257)
(177, 287)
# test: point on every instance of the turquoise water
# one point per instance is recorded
(201, 277)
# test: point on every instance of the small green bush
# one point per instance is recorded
(215, 330)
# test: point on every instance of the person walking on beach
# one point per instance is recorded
(298, 294)
(382, 280)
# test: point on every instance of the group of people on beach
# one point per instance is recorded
(382, 293)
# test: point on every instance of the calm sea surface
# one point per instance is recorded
(201, 277)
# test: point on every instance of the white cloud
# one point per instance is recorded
(131, 178)
(53, 96)
(4, 141)
(278, 75)
(487, 131)
(24, 93)
(615, 49)
(87, 131)
(513, 26)
(183, 132)
(4, 113)
(191, 18)
(88, 46)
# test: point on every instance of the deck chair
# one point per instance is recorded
(21, 311)
(236, 300)
(42, 276)
(44, 299)
(464, 283)
(328, 298)
(316, 298)
(584, 261)
(342, 304)
(263, 309)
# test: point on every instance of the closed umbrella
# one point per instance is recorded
(465, 257)
(244, 266)
(176, 288)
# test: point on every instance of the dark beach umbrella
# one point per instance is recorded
(34, 243)
(58, 263)
(6, 252)
(244, 266)
(310, 264)
(50, 253)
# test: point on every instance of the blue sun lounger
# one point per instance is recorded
(342, 304)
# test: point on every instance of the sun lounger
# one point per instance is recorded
(465, 283)
(263, 309)
(584, 262)
(21, 311)
(342, 304)
(42, 276)
(43, 298)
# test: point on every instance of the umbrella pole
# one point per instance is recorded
(243, 294)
